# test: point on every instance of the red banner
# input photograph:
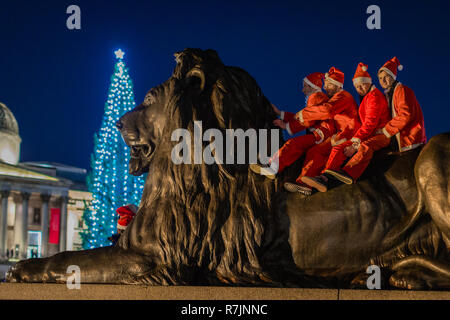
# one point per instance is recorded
(55, 214)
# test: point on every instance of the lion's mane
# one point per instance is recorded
(196, 217)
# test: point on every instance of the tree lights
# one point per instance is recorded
(109, 181)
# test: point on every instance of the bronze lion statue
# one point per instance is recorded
(220, 224)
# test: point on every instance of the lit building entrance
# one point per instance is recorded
(34, 244)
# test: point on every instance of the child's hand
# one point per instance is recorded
(279, 123)
(275, 109)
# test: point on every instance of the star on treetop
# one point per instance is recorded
(119, 54)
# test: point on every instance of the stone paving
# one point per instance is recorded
(131, 292)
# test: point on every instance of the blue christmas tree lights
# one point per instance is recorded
(109, 181)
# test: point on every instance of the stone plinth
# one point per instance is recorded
(132, 292)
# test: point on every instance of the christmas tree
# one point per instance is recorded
(109, 181)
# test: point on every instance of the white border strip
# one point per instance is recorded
(341, 85)
(359, 80)
(389, 72)
(311, 84)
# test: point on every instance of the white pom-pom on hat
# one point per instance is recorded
(400, 67)
(364, 68)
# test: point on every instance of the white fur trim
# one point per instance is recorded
(268, 171)
(311, 84)
(386, 133)
(282, 115)
(289, 129)
(300, 116)
(336, 143)
(359, 80)
(389, 72)
(321, 135)
(121, 227)
(335, 82)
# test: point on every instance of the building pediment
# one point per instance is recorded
(19, 174)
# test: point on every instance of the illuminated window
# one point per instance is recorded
(34, 244)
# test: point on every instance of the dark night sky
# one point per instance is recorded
(56, 80)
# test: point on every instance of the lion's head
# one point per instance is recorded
(207, 216)
(201, 88)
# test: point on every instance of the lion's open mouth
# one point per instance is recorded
(140, 158)
(142, 150)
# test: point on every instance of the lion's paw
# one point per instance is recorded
(407, 280)
(31, 270)
(360, 281)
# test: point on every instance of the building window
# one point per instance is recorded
(37, 216)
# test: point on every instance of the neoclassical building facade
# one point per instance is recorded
(41, 202)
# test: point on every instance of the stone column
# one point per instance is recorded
(44, 223)
(63, 224)
(24, 230)
(4, 224)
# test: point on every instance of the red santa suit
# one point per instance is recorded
(407, 124)
(126, 214)
(341, 108)
(294, 148)
(374, 114)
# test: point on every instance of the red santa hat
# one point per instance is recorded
(126, 214)
(391, 67)
(335, 76)
(361, 74)
(314, 80)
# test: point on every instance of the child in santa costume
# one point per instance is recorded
(407, 124)
(294, 148)
(374, 115)
(126, 214)
(342, 108)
